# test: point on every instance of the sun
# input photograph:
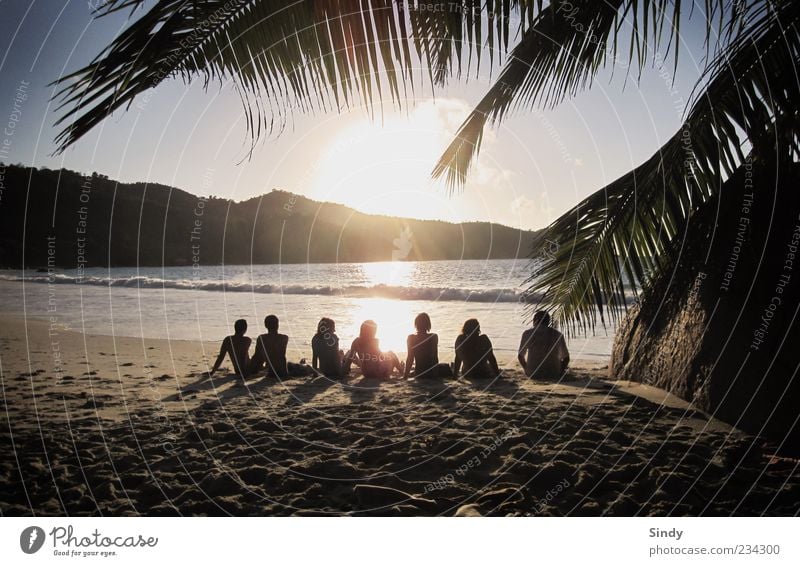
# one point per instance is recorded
(384, 166)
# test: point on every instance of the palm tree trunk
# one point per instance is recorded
(722, 329)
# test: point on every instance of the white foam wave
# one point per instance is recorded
(354, 291)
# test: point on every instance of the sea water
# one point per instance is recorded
(202, 302)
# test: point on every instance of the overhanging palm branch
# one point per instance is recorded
(750, 97)
(562, 51)
(285, 56)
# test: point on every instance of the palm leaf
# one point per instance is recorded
(634, 224)
(284, 56)
(561, 53)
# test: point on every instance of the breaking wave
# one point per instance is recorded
(355, 291)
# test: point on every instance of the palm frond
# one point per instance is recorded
(564, 49)
(630, 227)
(284, 56)
(555, 42)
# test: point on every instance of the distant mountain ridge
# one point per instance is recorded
(70, 220)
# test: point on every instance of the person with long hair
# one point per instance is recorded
(423, 351)
(326, 357)
(365, 352)
(474, 352)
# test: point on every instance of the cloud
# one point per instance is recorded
(526, 209)
(522, 205)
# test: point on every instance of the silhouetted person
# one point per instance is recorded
(474, 352)
(366, 354)
(423, 350)
(237, 347)
(543, 352)
(325, 353)
(271, 350)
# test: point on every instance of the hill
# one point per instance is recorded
(65, 219)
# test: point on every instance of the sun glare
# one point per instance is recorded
(384, 166)
(394, 273)
(392, 317)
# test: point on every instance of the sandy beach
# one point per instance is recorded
(96, 425)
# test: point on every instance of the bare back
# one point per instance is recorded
(475, 355)
(423, 351)
(271, 350)
(545, 352)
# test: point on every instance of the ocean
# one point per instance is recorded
(202, 302)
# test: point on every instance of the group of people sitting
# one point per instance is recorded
(542, 352)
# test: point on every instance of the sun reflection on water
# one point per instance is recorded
(394, 319)
(394, 273)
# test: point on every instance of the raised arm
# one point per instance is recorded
(352, 355)
(223, 349)
(523, 346)
(490, 357)
(457, 362)
(563, 352)
(409, 356)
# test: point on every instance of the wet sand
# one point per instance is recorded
(121, 426)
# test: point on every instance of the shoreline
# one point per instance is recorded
(182, 308)
(127, 426)
(44, 268)
(506, 357)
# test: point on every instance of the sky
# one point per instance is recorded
(533, 167)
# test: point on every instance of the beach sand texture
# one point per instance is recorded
(122, 426)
